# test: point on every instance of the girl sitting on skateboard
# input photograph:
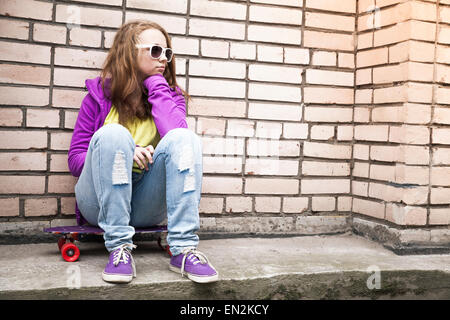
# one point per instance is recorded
(137, 162)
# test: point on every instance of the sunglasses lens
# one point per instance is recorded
(156, 52)
(169, 54)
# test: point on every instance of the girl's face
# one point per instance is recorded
(147, 65)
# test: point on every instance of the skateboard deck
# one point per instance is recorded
(69, 234)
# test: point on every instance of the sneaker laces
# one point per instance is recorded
(194, 257)
(123, 254)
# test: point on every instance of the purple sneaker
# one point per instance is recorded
(195, 265)
(120, 267)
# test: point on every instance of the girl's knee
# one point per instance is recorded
(113, 133)
(183, 136)
(111, 130)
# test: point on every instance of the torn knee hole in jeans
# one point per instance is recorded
(186, 162)
(119, 171)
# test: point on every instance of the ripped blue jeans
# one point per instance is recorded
(116, 199)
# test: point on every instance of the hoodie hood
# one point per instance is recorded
(94, 87)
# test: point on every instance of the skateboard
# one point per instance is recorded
(69, 234)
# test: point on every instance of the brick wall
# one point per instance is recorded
(402, 134)
(294, 125)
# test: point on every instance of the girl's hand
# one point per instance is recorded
(143, 155)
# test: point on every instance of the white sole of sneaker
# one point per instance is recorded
(195, 278)
(116, 278)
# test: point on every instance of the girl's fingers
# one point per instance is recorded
(138, 162)
(140, 159)
(143, 155)
(148, 154)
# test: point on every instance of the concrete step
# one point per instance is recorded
(342, 266)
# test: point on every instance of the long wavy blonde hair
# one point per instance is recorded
(126, 90)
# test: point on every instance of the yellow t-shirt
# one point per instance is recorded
(144, 132)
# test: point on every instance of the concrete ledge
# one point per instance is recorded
(404, 241)
(210, 227)
(400, 241)
(309, 267)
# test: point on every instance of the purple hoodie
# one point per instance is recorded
(168, 111)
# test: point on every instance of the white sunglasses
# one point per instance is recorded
(157, 51)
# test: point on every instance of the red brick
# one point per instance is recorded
(58, 163)
(295, 204)
(23, 139)
(85, 37)
(14, 29)
(22, 184)
(328, 114)
(68, 205)
(61, 184)
(440, 195)
(217, 29)
(24, 96)
(49, 33)
(211, 205)
(348, 6)
(79, 58)
(323, 204)
(11, 117)
(41, 207)
(337, 78)
(268, 204)
(316, 168)
(328, 95)
(23, 161)
(371, 57)
(271, 186)
(332, 41)
(70, 118)
(329, 21)
(283, 35)
(24, 52)
(219, 108)
(276, 167)
(222, 164)
(406, 215)
(439, 216)
(371, 132)
(60, 140)
(42, 118)
(369, 208)
(240, 128)
(324, 58)
(326, 150)
(322, 132)
(325, 186)
(222, 185)
(27, 9)
(63, 98)
(238, 204)
(73, 14)
(10, 73)
(440, 176)
(275, 15)
(73, 77)
(10, 207)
